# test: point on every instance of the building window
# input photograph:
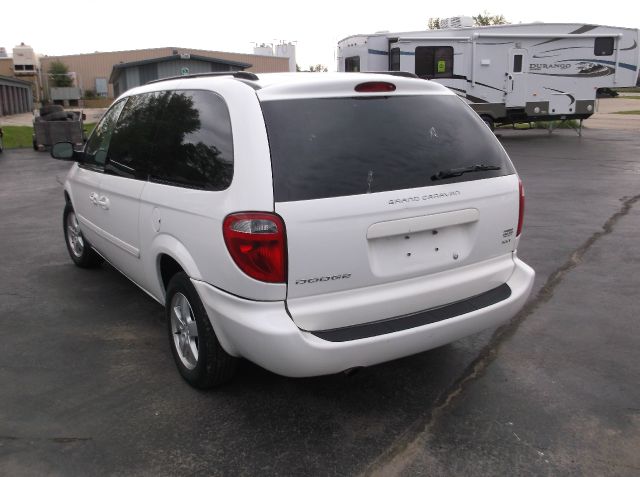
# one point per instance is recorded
(352, 64)
(603, 46)
(434, 62)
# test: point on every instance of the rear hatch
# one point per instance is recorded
(381, 189)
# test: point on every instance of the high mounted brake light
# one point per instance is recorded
(375, 87)
(257, 243)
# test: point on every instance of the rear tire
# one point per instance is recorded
(79, 248)
(200, 358)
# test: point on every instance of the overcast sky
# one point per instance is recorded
(70, 26)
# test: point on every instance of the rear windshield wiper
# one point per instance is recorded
(446, 173)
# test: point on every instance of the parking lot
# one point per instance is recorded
(89, 385)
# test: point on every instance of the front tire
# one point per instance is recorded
(200, 358)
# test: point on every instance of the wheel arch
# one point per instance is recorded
(171, 257)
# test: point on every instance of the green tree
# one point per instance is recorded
(59, 75)
(434, 24)
(486, 19)
(318, 68)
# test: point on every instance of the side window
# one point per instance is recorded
(603, 46)
(424, 61)
(434, 61)
(133, 141)
(194, 144)
(352, 64)
(517, 63)
(394, 59)
(95, 151)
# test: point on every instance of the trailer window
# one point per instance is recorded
(394, 59)
(603, 46)
(352, 64)
(517, 63)
(434, 62)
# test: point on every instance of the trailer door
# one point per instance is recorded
(516, 86)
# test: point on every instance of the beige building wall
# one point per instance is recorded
(6, 66)
(90, 66)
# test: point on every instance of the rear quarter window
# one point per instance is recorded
(193, 142)
(332, 147)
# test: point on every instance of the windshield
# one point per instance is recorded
(331, 147)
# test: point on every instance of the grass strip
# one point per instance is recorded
(16, 137)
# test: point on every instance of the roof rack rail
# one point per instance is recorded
(246, 75)
(404, 74)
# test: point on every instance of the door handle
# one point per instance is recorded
(103, 202)
(93, 198)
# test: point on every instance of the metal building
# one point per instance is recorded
(93, 69)
(125, 76)
(15, 96)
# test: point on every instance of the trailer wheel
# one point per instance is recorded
(488, 120)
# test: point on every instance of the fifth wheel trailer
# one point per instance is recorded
(508, 73)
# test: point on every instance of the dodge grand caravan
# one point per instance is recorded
(311, 223)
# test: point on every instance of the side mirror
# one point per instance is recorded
(63, 151)
(84, 116)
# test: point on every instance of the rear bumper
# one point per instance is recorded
(264, 333)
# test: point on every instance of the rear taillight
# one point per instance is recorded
(520, 208)
(257, 243)
(375, 87)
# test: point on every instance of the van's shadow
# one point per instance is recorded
(290, 425)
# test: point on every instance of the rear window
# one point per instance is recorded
(332, 147)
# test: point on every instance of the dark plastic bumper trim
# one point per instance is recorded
(405, 322)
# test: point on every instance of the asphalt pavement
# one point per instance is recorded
(89, 385)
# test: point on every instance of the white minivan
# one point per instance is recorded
(311, 223)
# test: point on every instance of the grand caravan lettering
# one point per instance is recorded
(418, 198)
